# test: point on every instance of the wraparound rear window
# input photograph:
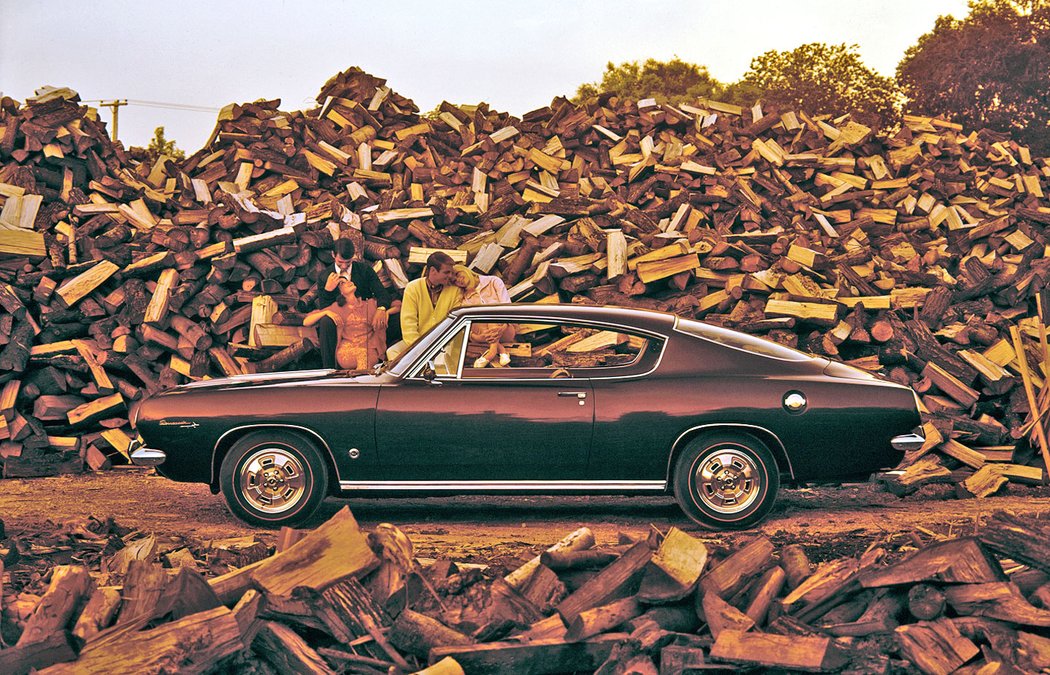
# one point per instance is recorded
(741, 341)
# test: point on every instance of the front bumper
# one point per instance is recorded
(907, 442)
(142, 456)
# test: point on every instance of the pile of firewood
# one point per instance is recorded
(338, 599)
(916, 253)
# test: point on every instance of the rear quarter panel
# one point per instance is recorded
(845, 430)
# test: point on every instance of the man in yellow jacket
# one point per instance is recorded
(430, 298)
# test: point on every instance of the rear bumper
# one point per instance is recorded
(142, 456)
(907, 442)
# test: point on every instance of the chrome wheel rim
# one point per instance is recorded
(727, 481)
(273, 480)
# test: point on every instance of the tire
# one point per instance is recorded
(273, 478)
(726, 481)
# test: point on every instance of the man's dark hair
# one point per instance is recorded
(344, 248)
(437, 260)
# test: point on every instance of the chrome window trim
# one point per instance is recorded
(712, 341)
(549, 486)
(413, 371)
(712, 425)
(271, 425)
(417, 367)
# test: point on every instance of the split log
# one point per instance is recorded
(563, 561)
(996, 600)
(349, 612)
(674, 569)
(813, 654)
(334, 551)
(923, 471)
(417, 634)
(539, 656)
(986, 481)
(935, 647)
(288, 653)
(69, 587)
(597, 620)
(247, 613)
(608, 584)
(880, 616)
(1018, 538)
(721, 616)
(578, 540)
(767, 589)
(950, 385)
(830, 580)
(796, 564)
(145, 587)
(731, 574)
(544, 589)
(98, 613)
(195, 643)
(676, 659)
(954, 561)
(56, 647)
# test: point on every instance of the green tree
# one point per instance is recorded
(989, 70)
(673, 81)
(161, 146)
(823, 79)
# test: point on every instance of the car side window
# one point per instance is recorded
(552, 349)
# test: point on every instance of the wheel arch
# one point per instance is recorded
(228, 438)
(767, 437)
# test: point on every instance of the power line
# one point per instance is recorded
(173, 106)
(115, 105)
(160, 104)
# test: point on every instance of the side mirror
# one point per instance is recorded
(428, 372)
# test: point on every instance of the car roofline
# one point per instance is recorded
(638, 318)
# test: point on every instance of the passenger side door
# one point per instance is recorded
(461, 425)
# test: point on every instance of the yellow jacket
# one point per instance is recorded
(419, 314)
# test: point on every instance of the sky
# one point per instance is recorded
(515, 56)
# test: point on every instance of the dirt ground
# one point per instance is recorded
(829, 521)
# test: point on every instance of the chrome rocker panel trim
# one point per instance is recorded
(493, 485)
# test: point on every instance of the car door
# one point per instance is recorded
(484, 424)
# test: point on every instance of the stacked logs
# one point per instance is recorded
(917, 253)
(338, 599)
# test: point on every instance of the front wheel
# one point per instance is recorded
(273, 478)
(726, 481)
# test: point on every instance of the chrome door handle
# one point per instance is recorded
(573, 394)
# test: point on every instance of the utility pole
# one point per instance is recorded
(115, 106)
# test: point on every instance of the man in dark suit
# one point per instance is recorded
(368, 287)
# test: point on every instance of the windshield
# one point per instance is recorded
(399, 363)
(742, 341)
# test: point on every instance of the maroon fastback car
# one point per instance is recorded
(595, 400)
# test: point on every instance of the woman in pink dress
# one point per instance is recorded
(357, 347)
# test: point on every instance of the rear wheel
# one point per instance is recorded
(726, 481)
(273, 478)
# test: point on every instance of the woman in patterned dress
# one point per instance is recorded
(357, 347)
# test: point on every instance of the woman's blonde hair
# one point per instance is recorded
(472, 277)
